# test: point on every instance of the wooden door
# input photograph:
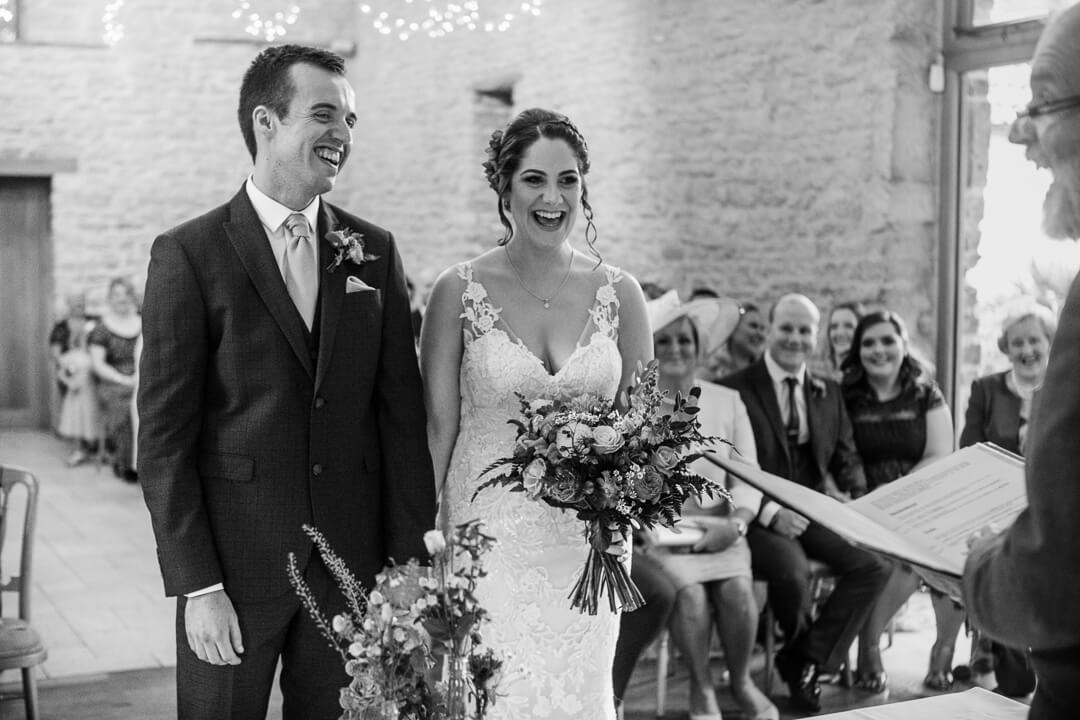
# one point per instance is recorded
(25, 369)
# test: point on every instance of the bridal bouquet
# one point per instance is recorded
(412, 646)
(618, 470)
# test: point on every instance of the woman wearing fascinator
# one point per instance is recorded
(534, 316)
(706, 564)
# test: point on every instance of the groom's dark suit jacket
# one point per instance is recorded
(831, 441)
(249, 429)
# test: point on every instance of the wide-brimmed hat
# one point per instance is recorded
(714, 318)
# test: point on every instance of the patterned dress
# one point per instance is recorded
(890, 435)
(557, 661)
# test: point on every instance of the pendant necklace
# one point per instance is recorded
(545, 300)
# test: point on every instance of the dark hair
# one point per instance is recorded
(703, 292)
(857, 309)
(268, 82)
(652, 290)
(507, 147)
(912, 371)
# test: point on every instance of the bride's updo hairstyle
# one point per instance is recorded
(507, 147)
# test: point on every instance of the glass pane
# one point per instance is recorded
(988, 12)
(1005, 256)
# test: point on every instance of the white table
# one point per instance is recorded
(973, 704)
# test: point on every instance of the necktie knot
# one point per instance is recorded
(298, 226)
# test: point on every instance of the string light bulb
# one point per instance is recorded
(439, 18)
(113, 29)
(269, 28)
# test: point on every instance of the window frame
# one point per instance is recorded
(966, 47)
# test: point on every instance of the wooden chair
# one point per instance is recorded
(20, 644)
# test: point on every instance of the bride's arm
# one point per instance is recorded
(635, 335)
(441, 347)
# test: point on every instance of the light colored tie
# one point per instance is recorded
(300, 267)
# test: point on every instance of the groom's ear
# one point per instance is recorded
(262, 121)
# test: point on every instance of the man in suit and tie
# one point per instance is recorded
(803, 433)
(278, 386)
(1021, 587)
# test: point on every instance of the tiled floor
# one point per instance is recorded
(97, 595)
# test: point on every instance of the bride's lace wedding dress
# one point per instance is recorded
(557, 661)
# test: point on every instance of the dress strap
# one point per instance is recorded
(478, 313)
(605, 311)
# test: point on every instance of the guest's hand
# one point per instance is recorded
(720, 534)
(213, 631)
(789, 523)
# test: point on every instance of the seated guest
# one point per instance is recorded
(900, 423)
(711, 575)
(998, 411)
(838, 332)
(112, 350)
(742, 349)
(802, 433)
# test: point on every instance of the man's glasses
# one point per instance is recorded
(1048, 108)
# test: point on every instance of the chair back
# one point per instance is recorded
(11, 478)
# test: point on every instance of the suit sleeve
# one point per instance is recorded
(172, 372)
(1022, 589)
(974, 416)
(409, 485)
(846, 466)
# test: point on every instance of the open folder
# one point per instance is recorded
(923, 518)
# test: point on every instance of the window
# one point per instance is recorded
(994, 253)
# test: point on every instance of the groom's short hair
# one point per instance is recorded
(268, 82)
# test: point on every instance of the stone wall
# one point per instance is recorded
(754, 146)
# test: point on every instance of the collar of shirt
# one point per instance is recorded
(779, 374)
(272, 215)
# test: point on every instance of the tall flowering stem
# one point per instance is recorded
(394, 637)
(618, 468)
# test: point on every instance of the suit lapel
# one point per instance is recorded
(331, 291)
(248, 238)
(763, 386)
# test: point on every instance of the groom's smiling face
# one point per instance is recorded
(307, 147)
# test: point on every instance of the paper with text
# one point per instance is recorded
(923, 518)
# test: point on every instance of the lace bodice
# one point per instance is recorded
(558, 662)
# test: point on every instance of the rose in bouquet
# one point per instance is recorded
(619, 468)
(412, 645)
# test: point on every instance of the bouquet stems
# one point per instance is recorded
(604, 571)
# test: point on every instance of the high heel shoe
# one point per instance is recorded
(939, 677)
(872, 681)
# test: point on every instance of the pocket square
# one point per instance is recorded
(355, 284)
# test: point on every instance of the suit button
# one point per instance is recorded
(316, 469)
(319, 402)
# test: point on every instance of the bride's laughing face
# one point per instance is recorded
(545, 192)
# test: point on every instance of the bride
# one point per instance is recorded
(536, 317)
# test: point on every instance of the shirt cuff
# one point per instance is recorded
(206, 590)
(746, 496)
(768, 512)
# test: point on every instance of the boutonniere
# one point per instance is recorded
(349, 245)
(817, 386)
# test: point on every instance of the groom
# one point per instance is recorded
(277, 389)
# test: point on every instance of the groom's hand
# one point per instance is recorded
(213, 632)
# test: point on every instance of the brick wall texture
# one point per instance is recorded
(753, 146)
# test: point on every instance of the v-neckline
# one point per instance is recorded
(514, 338)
